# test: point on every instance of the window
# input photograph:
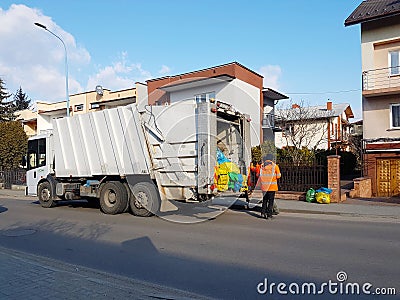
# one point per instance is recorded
(32, 154)
(36, 153)
(78, 107)
(395, 115)
(205, 97)
(394, 62)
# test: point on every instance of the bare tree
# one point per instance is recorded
(304, 127)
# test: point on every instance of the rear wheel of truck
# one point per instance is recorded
(145, 200)
(113, 198)
(45, 195)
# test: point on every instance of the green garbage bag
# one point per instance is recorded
(310, 195)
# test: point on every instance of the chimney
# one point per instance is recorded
(329, 105)
(295, 106)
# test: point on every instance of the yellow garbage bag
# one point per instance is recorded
(221, 179)
(323, 198)
(244, 184)
(229, 167)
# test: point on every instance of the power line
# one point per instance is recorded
(322, 93)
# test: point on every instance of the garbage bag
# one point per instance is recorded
(323, 198)
(221, 158)
(229, 167)
(324, 190)
(221, 179)
(310, 195)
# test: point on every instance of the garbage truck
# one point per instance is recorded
(139, 159)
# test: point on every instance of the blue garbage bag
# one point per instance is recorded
(221, 158)
(324, 190)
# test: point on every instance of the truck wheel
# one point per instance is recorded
(45, 195)
(113, 198)
(145, 200)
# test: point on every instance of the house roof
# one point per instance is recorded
(315, 112)
(272, 94)
(206, 69)
(370, 10)
(194, 82)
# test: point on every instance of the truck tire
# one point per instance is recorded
(113, 198)
(145, 200)
(45, 195)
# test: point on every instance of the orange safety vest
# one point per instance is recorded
(269, 175)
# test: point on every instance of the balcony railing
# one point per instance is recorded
(384, 78)
(270, 121)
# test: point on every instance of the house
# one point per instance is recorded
(314, 127)
(232, 83)
(38, 118)
(380, 55)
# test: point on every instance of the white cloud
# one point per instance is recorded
(120, 75)
(32, 58)
(272, 75)
(164, 70)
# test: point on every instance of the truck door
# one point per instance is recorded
(36, 163)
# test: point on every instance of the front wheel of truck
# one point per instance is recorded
(45, 195)
(144, 201)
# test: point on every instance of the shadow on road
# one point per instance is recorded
(143, 259)
(76, 203)
(3, 209)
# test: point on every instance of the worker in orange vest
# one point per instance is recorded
(254, 173)
(269, 175)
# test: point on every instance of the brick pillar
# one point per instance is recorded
(334, 177)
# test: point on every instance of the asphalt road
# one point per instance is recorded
(226, 257)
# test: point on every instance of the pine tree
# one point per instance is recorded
(6, 107)
(21, 100)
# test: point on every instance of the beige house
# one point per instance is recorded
(380, 51)
(38, 119)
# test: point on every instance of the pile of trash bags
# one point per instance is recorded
(227, 175)
(322, 195)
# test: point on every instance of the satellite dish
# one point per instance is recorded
(99, 90)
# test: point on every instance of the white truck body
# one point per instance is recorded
(173, 146)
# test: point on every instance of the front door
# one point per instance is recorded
(38, 168)
(388, 177)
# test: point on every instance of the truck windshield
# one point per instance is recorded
(36, 153)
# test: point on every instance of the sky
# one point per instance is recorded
(301, 47)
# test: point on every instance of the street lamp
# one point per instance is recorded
(66, 63)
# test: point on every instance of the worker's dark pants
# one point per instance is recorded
(268, 203)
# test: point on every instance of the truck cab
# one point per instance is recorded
(38, 162)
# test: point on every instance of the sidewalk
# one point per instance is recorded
(373, 207)
(33, 277)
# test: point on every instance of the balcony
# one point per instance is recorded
(270, 121)
(378, 82)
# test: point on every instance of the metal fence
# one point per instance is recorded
(300, 178)
(11, 177)
(381, 78)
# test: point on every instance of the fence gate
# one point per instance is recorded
(388, 177)
(302, 177)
